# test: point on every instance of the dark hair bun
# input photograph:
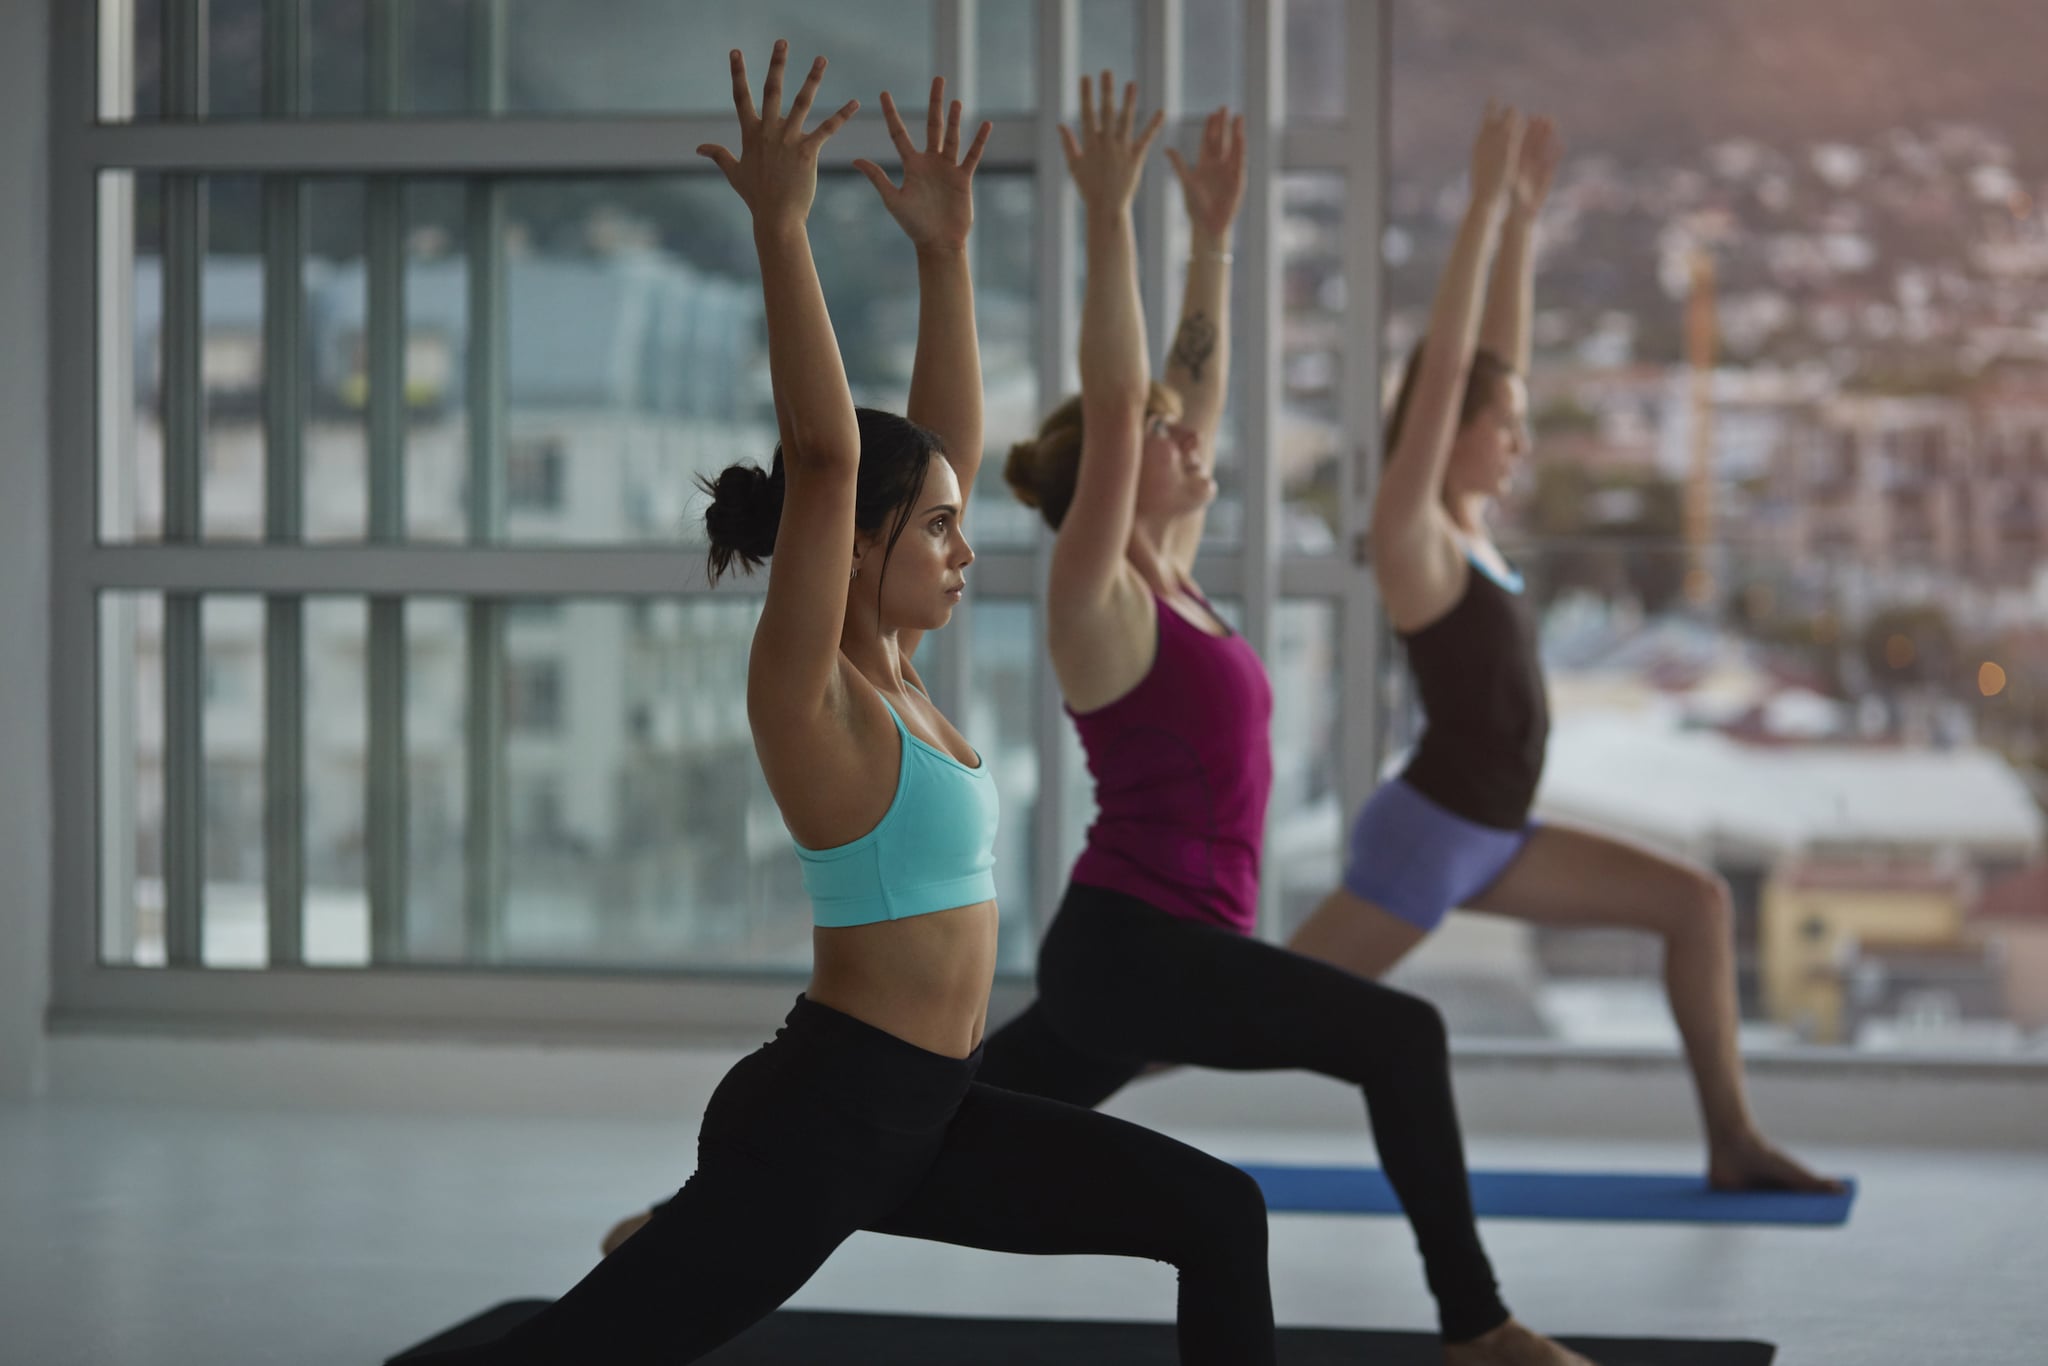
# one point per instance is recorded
(745, 512)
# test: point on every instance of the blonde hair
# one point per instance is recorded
(1042, 472)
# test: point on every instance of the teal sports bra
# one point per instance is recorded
(934, 849)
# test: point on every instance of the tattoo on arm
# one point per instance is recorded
(1194, 344)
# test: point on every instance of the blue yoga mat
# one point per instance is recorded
(1647, 1196)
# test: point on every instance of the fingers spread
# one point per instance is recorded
(719, 157)
(898, 134)
(800, 108)
(771, 89)
(974, 149)
(833, 124)
(877, 177)
(1151, 131)
(742, 93)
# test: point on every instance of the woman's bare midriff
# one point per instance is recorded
(924, 979)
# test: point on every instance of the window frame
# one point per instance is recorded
(390, 996)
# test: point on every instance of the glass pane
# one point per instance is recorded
(1006, 316)
(1212, 41)
(131, 56)
(337, 43)
(237, 930)
(234, 57)
(1002, 723)
(634, 351)
(645, 58)
(638, 827)
(337, 489)
(131, 778)
(1312, 341)
(1109, 38)
(1006, 58)
(656, 57)
(337, 707)
(637, 355)
(131, 306)
(437, 279)
(1317, 47)
(437, 775)
(231, 361)
(1305, 824)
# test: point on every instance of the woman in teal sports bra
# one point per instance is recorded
(863, 1111)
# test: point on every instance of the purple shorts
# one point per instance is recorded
(1419, 860)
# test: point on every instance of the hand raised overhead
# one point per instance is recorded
(776, 172)
(1542, 150)
(1214, 186)
(1107, 159)
(1496, 152)
(935, 203)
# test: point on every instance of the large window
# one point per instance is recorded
(1788, 505)
(403, 335)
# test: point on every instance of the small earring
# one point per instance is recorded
(854, 575)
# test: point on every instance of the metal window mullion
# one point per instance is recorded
(82, 683)
(1257, 343)
(484, 833)
(484, 861)
(284, 778)
(184, 768)
(521, 143)
(1058, 45)
(1362, 641)
(384, 37)
(385, 790)
(180, 385)
(488, 67)
(384, 344)
(184, 59)
(1159, 76)
(284, 408)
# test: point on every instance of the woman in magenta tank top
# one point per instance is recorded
(1151, 957)
(1454, 828)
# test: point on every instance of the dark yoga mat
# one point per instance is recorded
(797, 1337)
(1652, 1197)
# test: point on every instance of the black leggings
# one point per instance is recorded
(1122, 984)
(836, 1126)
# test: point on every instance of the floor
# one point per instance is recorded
(162, 1236)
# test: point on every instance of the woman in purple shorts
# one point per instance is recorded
(1454, 828)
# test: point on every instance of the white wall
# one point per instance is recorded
(24, 545)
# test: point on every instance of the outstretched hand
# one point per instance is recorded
(1496, 152)
(1214, 186)
(1108, 159)
(776, 172)
(1542, 150)
(935, 203)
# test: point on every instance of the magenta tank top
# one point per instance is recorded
(1183, 765)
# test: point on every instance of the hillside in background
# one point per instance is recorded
(1640, 80)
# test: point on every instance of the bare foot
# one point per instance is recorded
(623, 1230)
(1752, 1164)
(1511, 1344)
